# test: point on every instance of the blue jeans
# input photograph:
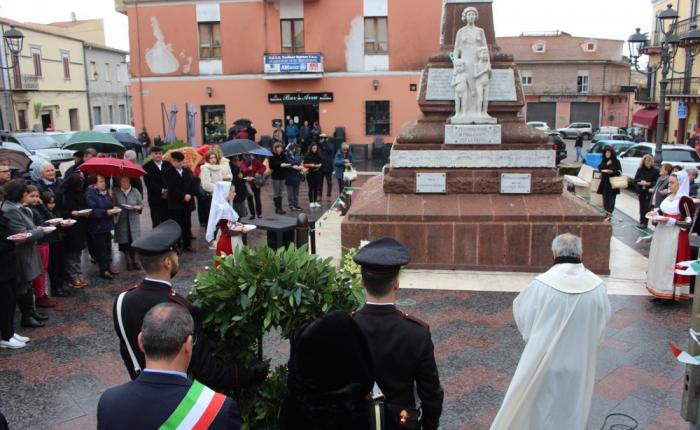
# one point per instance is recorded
(579, 155)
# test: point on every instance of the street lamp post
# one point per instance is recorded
(14, 40)
(690, 41)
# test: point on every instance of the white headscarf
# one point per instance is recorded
(683, 183)
(220, 208)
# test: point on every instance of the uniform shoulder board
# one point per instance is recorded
(416, 321)
(179, 300)
(353, 313)
(133, 287)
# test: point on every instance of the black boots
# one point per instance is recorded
(278, 206)
(30, 317)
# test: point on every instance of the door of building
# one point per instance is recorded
(46, 122)
(586, 112)
(543, 111)
(73, 117)
(301, 112)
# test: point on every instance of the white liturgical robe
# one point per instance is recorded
(562, 316)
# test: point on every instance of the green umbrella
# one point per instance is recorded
(101, 142)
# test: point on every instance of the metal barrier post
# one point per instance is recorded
(301, 234)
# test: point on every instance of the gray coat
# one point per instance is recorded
(128, 221)
(28, 257)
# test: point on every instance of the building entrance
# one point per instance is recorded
(301, 112)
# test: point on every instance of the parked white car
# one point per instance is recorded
(585, 128)
(121, 128)
(610, 129)
(678, 155)
(539, 125)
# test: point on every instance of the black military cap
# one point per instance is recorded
(156, 149)
(161, 239)
(179, 156)
(383, 255)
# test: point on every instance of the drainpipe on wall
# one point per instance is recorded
(138, 54)
(87, 88)
(9, 112)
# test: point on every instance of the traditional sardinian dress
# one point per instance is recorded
(670, 245)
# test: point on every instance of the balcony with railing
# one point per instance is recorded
(682, 27)
(683, 87)
(25, 83)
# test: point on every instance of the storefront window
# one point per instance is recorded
(214, 123)
(377, 118)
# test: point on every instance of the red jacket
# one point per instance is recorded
(253, 168)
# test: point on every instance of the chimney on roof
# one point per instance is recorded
(72, 16)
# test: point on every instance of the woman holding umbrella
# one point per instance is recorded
(128, 227)
(251, 168)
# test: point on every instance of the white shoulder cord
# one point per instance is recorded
(134, 361)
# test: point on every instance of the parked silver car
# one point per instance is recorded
(40, 144)
(585, 128)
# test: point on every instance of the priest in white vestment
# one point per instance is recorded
(562, 316)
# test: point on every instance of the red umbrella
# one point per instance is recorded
(112, 167)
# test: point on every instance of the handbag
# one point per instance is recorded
(350, 174)
(261, 180)
(618, 182)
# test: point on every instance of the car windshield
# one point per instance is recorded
(680, 156)
(61, 138)
(621, 148)
(35, 142)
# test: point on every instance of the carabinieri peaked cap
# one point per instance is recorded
(383, 255)
(161, 239)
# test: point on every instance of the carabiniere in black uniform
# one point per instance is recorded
(401, 346)
(137, 301)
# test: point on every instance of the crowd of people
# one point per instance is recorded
(55, 220)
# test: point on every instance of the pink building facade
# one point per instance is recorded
(572, 79)
(354, 64)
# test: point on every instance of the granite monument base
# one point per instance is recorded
(489, 232)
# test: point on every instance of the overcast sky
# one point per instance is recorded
(611, 19)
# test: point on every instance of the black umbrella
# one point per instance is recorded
(239, 146)
(18, 160)
(129, 141)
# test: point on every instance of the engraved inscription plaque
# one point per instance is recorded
(472, 134)
(431, 183)
(501, 86)
(516, 183)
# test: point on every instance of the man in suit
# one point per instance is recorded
(181, 186)
(155, 185)
(150, 400)
(400, 343)
(156, 251)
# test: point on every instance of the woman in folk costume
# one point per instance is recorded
(670, 243)
(222, 217)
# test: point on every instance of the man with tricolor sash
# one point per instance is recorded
(162, 397)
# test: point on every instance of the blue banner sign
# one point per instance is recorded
(293, 63)
(682, 110)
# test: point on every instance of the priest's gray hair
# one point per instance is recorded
(567, 245)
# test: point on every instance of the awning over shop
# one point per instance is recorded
(645, 118)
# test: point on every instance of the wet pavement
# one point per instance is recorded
(56, 381)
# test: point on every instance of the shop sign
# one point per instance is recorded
(563, 98)
(299, 98)
(293, 63)
(682, 110)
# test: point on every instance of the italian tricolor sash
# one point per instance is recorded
(197, 410)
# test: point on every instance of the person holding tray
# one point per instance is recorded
(128, 226)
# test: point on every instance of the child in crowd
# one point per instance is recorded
(224, 218)
(40, 214)
(56, 250)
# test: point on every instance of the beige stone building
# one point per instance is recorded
(48, 88)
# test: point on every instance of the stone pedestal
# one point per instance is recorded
(483, 197)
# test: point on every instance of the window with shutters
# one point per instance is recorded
(376, 35)
(36, 59)
(65, 59)
(292, 31)
(209, 40)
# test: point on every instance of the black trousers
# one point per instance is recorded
(328, 178)
(315, 182)
(203, 207)
(644, 206)
(254, 203)
(184, 219)
(609, 202)
(56, 264)
(102, 243)
(8, 304)
(159, 213)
